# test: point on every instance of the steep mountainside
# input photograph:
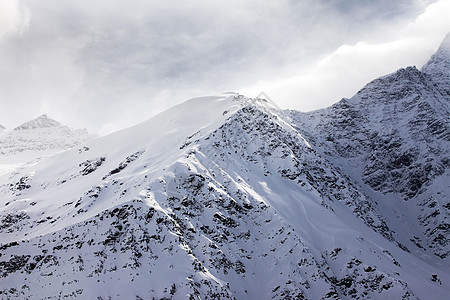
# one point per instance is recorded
(226, 197)
(38, 137)
(394, 137)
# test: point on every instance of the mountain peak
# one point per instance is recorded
(42, 121)
(438, 67)
(441, 59)
(38, 137)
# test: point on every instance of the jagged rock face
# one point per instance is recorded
(394, 136)
(396, 124)
(279, 150)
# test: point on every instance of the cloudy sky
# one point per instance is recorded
(109, 64)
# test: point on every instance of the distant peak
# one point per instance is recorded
(42, 121)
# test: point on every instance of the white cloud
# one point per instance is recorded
(343, 72)
(108, 64)
(434, 22)
(14, 18)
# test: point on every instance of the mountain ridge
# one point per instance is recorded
(42, 121)
(399, 151)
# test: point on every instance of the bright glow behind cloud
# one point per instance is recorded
(345, 71)
(14, 18)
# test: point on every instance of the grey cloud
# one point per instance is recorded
(99, 62)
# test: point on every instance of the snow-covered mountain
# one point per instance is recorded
(2, 128)
(40, 122)
(39, 137)
(393, 137)
(228, 197)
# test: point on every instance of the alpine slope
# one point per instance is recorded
(228, 197)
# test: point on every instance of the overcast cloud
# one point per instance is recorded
(109, 64)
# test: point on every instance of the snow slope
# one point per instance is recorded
(218, 197)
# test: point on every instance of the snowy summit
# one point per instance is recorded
(40, 122)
